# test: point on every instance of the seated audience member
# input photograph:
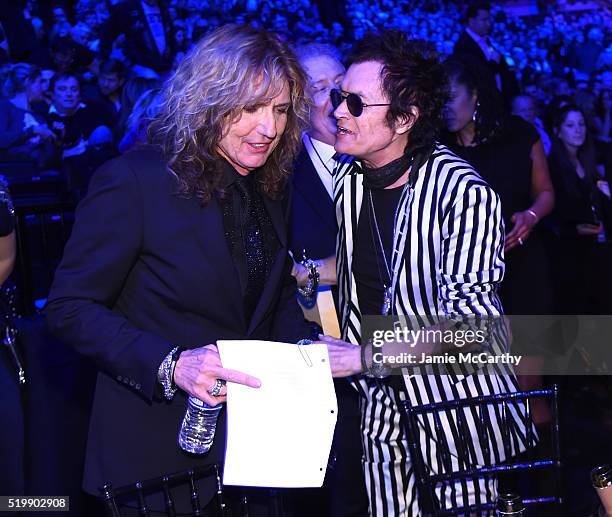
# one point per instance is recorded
(106, 95)
(525, 107)
(75, 123)
(24, 136)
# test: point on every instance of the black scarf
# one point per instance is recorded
(382, 177)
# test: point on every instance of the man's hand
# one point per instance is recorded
(344, 358)
(197, 371)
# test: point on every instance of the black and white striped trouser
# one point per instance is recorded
(390, 479)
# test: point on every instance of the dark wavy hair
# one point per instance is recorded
(490, 109)
(412, 75)
(232, 68)
(586, 152)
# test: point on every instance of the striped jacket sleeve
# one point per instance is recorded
(472, 260)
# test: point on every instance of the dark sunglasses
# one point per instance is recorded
(353, 102)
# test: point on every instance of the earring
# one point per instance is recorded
(475, 114)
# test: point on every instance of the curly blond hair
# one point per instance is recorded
(232, 68)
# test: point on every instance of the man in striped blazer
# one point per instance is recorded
(420, 236)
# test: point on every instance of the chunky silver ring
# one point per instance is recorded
(520, 241)
(215, 391)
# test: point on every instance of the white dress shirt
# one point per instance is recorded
(322, 157)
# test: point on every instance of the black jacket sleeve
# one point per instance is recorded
(104, 246)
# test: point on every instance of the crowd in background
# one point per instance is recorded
(80, 80)
(105, 47)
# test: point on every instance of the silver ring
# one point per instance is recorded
(520, 241)
(215, 391)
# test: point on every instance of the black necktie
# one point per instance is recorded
(254, 249)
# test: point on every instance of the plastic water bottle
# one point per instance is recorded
(198, 428)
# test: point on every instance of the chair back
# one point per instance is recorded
(139, 490)
(459, 464)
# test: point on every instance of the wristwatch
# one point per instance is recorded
(378, 369)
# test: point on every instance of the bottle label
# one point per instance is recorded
(199, 404)
(193, 401)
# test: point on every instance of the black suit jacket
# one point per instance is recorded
(146, 270)
(313, 219)
(467, 49)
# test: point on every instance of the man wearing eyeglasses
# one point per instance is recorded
(313, 222)
(420, 236)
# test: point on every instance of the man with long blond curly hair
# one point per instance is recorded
(182, 243)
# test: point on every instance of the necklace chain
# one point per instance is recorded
(380, 243)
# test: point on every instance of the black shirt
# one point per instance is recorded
(79, 125)
(369, 269)
(235, 221)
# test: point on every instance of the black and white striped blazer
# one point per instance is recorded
(450, 260)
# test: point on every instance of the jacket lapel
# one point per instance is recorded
(207, 222)
(307, 182)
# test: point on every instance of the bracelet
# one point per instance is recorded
(165, 373)
(377, 370)
(312, 285)
(535, 216)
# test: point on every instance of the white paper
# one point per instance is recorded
(278, 435)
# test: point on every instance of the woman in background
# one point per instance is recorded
(508, 153)
(581, 218)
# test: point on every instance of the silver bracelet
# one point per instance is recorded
(312, 285)
(165, 373)
(378, 370)
(530, 211)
